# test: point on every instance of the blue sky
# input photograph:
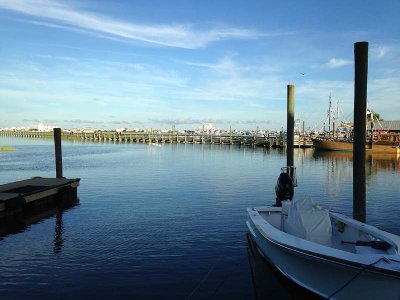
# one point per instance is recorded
(152, 64)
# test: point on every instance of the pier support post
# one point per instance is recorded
(360, 107)
(57, 146)
(290, 124)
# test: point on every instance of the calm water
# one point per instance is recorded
(167, 222)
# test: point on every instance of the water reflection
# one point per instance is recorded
(268, 282)
(58, 232)
(24, 222)
(374, 161)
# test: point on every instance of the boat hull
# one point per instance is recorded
(347, 146)
(332, 145)
(322, 275)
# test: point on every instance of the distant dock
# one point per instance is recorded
(24, 197)
(170, 138)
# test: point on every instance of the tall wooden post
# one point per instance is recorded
(290, 124)
(360, 107)
(57, 144)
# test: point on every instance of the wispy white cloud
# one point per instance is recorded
(337, 63)
(191, 121)
(227, 80)
(257, 105)
(224, 65)
(383, 97)
(88, 121)
(147, 91)
(61, 15)
(228, 65)
(187, 121)
(387, 52)
(62, 58)
(381, 51)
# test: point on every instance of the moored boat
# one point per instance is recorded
(332, 255)
(383, 140)
(332, 145)
(381, 143)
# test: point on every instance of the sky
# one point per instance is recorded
(157, 64)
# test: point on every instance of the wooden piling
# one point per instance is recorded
(360, 106)
(290, 124)
(58, 152)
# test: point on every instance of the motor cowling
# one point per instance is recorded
(284, 188)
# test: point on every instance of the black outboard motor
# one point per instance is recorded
(284, 187)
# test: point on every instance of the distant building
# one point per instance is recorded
(87, 130)
(45, 128)
(393, 126)
(206, 127)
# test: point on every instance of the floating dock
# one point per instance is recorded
(20, 198)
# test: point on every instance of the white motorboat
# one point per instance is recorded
(334, 256)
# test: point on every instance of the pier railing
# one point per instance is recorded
(163, 138)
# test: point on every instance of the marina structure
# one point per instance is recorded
(263, 140)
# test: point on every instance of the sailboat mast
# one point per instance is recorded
(337, 111)
(329, 115)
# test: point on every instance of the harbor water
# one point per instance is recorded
(168, 221)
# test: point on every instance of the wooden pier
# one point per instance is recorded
(21, 198)
(169, 138)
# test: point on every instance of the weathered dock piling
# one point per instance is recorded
(58, 152)
(360, 107)
(290, 124)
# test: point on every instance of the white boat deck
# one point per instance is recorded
(275, 219)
